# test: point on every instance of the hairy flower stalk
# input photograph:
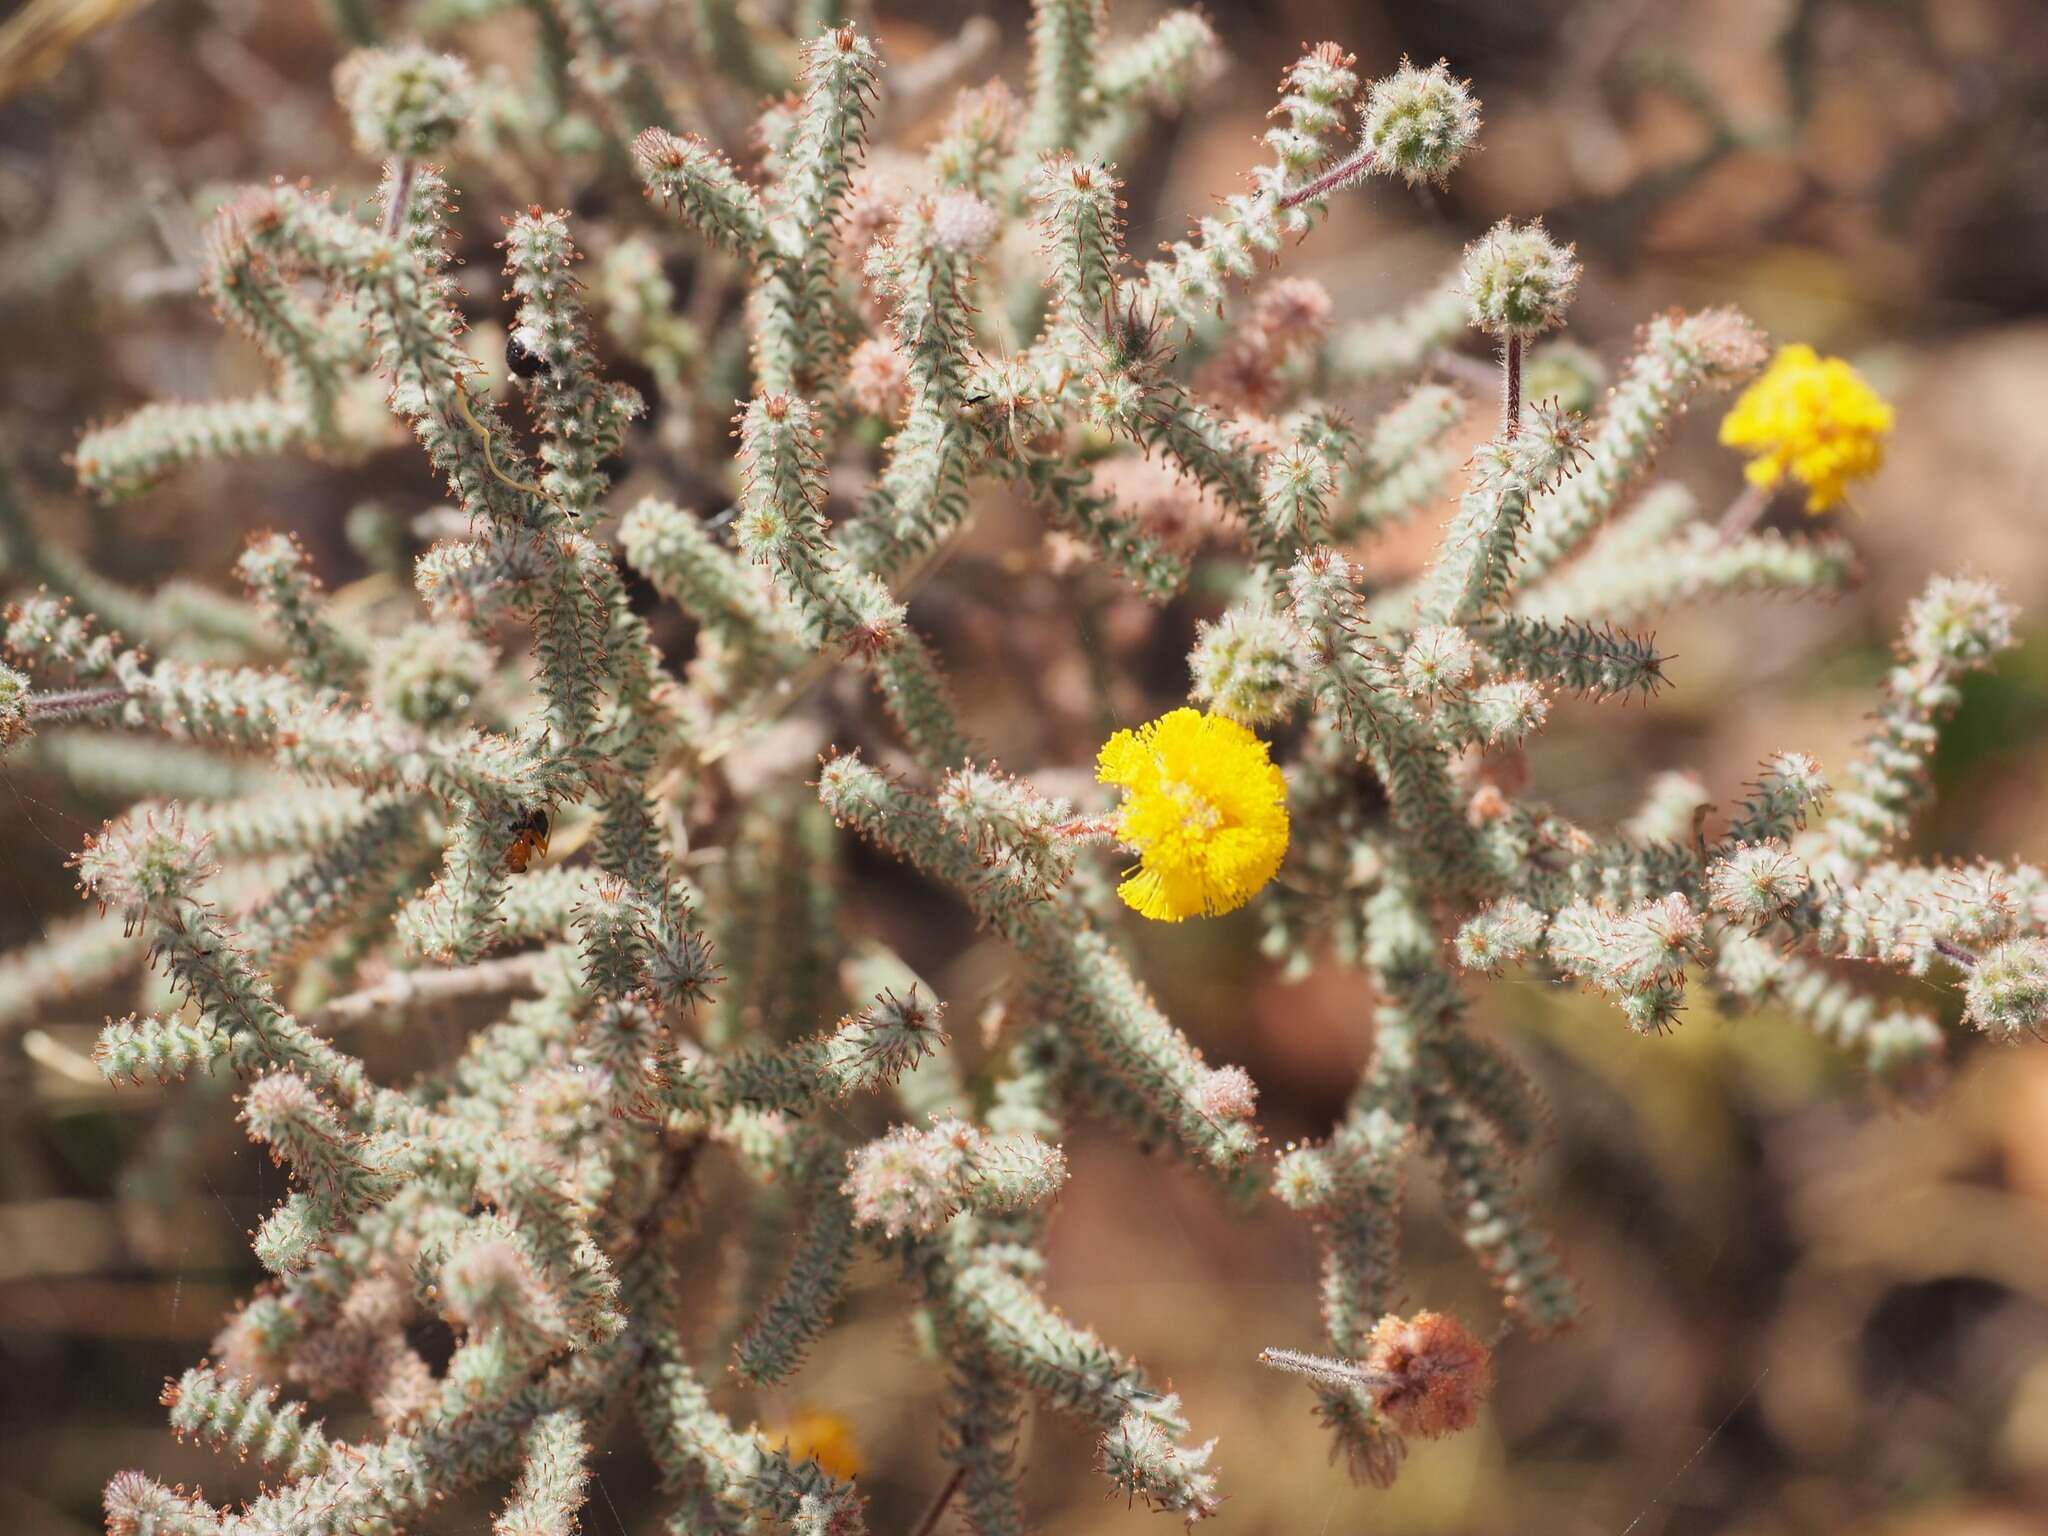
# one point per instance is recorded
(621, 875)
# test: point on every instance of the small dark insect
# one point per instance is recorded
(532, 840)
(523, 357)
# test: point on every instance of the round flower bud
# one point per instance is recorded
(428, 674)
(14, 690)
(2007, 994)
(405, 101)
(1250, 665)
(1419, 122)
(1518, 281)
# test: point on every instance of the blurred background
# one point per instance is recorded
(1806, 1310)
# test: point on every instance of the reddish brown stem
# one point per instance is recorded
(1348, 169)
(79, 701)
(1511, 387)
(1743, 512)
(930, 1522)
(404, 174)
(1965, 958)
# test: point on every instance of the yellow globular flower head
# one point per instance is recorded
(814, 1435)
(1811, 418)
(1205, 808)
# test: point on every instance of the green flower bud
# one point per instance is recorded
(1250, 665)
(405, 101)
(1420, 122)
(1518, 282)
(14, 689)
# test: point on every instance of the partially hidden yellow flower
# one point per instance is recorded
(814, 1435)
(1812, 419)
(1205, 809)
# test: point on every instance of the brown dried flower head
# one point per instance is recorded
(1430, 1373)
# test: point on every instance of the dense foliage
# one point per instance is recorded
(666, 997)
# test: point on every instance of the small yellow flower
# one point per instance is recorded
(1204, 807)
(813, 1435)
(1812, 418)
